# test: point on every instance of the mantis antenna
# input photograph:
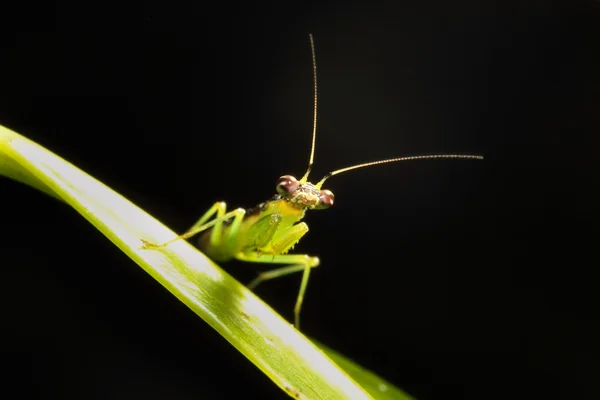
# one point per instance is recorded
(391, 160)
(368, 164)
(314, 133)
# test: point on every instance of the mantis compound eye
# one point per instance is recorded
(286, 185)
(326, 198)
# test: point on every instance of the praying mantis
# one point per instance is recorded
(267, 232)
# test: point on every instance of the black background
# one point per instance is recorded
(452, 279)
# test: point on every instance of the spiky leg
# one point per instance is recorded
(299, 262)
(201, 225)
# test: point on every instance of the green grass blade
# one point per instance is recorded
(293, 362)
(377, 387)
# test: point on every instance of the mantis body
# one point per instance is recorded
(266, 233)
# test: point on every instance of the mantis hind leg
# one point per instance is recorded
(216, 236)
(298, 262)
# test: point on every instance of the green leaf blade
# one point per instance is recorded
(292, 361)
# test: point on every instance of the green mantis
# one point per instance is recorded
(267, 232)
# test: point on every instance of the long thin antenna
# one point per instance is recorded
(391, 160)
(314, 134)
